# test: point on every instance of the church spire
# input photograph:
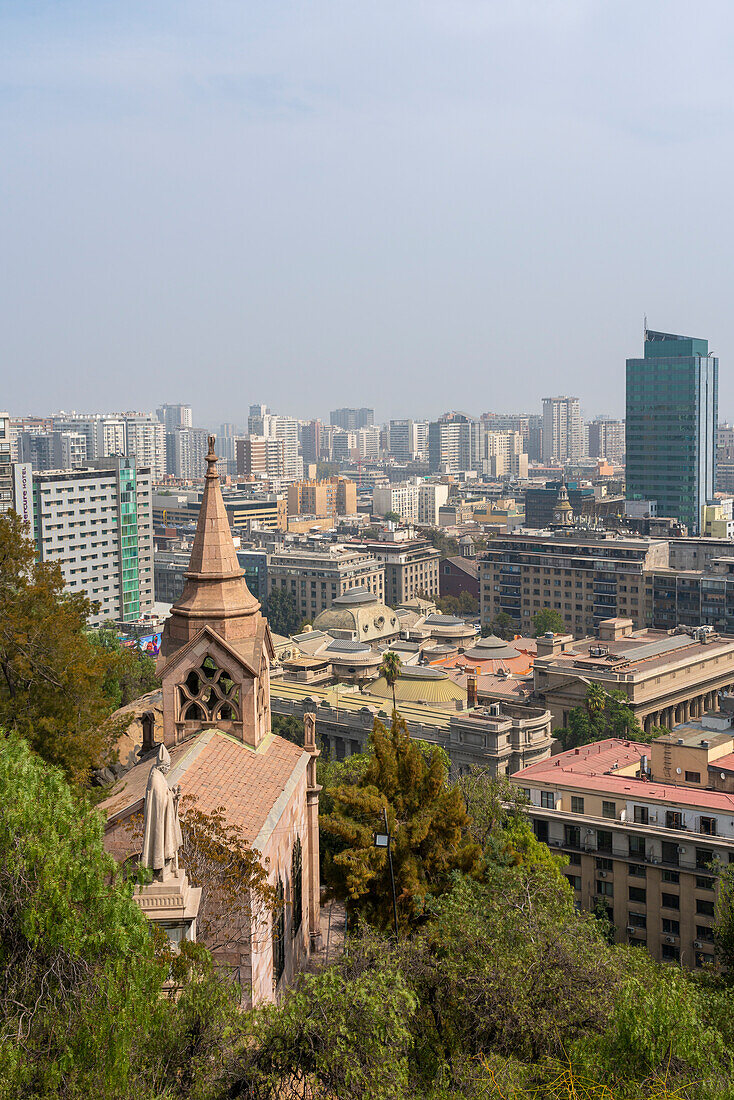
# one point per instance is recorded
(215, 593)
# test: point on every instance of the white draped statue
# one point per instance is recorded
(161, 827)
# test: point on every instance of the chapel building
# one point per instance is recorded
(214, 667)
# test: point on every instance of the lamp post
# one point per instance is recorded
(384, 840)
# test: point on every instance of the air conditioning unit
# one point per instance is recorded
(697, 945)
(631, 931)
(670, 939)
(602, 874)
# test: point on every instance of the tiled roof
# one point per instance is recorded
(586, 768)
(219, 770)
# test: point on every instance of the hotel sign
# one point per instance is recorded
(23, 491)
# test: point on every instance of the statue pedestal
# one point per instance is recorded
(172, 904)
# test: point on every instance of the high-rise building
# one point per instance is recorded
(260, 457)
(606, 439)
(402, 440)
(146, 439)
(261, 422)
(6, 469)
(186, 450)
(497, 454)
(672, 414)
(97, 524)
(311, 442)
(352, 419)
(175, 416)
(562, 434)
(53, 450)
(449, 443)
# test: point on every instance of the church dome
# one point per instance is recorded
(360, 615)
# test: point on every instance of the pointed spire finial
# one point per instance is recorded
(211, 458)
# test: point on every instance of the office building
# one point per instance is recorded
(186, 450)
(146, 440)
(258, 457)
(402, 440)
(562, 434)
(400, 499)
(411, 567)
(96, 524)
(316, 574)
(585, 579)
(352, 419)
(541, 504)
(245, 511)
(173, 417)
(672, 417)
(645, 828)
(606, 440)
(6, 468)
(432, 496)
(311, 442)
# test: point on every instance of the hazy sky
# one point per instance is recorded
(411, 205)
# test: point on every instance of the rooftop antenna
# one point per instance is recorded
(644, 334)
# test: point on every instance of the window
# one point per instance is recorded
(574, 858)
(279, 933)
(540, 828)
(671, 876)
(609, 809)
(577, 804)
(693, 777)
(671, 927)
(575, 881)
(637, 920)
(641, 815)
(703, 883)
(637, 846)
(572, 836)
(703, 958)
(707, 826)
(670, 852)
(636, 893)
(604, 864)
(673, 819)
(705, 907)
(548, 800)
(603, 840)
(297, 884)
(704, 857)
(604, 887)
(670, 953)
(704, 933)
(670, 901)
(637, 870)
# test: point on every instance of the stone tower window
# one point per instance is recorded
(208, 694)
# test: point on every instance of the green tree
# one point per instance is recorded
(427, 820)
(724, 923)
(54, 681)
(503, 626)
(392, 517)
(547, 620)
(604, 714)
(283, 614)
(131, 672)
(80, 981)
(390, 667)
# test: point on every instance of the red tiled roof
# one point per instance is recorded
(218, 771)
(588, 767)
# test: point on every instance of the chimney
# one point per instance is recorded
(471, 690)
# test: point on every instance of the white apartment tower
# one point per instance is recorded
(146, 440)
(562, 432)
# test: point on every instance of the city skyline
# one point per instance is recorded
(391, 200)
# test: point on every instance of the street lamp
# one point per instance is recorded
(384, 840)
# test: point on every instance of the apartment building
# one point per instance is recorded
(260, 457)
(104, 435)
(173, 417)
(352, 419)
(336, 496)
(316, 574)
(96, 524)
(606, 439)
(146, 440)
(562, 434)
(266, 425)
(6, 468)
(432, 496)
(667, 678)
(585, 579)
(53, 450)
(400, 499)
(186, 450)
(646, 829)
(411, 568)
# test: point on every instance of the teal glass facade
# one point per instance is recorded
(129, 570)
(672, 413)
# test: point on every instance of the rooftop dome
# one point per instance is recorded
(360, 616)
(492, 649)
(420, 685)
(355, 596)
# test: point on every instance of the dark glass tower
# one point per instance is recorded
(672, 412)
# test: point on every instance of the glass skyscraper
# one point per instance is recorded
(672, 412)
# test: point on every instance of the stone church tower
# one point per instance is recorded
(216, 644)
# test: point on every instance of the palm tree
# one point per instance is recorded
(390, 669)
(596, 700)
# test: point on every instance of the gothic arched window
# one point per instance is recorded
(279, 933)
(297, 884)
(209, 694)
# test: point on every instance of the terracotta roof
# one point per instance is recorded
(466, 565)
(219, 771)
(586, 769)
